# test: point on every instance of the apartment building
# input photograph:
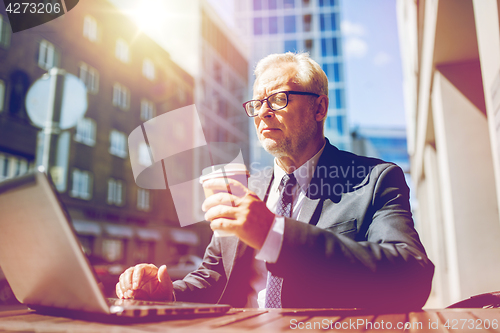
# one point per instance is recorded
(130, 79)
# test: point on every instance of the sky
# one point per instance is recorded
(373, 72)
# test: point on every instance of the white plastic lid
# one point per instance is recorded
(216, 171)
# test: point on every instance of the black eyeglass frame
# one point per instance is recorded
(292, 92)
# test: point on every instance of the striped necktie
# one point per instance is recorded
(284, 208)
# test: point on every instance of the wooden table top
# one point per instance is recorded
(273, 320)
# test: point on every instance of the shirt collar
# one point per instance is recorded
(303, 174)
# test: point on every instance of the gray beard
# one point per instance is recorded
(285, 148)
(281, 150)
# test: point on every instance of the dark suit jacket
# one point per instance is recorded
(358, 249)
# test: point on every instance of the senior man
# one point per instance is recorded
(323, 228)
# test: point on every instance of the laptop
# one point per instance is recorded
(46, 267)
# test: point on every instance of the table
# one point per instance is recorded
(273, 320)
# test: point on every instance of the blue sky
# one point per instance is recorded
(373, 67)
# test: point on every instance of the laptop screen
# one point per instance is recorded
(39, 252)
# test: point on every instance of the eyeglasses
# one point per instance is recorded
(276, 101)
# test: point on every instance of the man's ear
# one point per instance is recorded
(321, 107)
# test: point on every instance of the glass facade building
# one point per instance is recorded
(313, 26)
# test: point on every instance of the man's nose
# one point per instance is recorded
(265, 110)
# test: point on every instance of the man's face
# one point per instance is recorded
(286, 132)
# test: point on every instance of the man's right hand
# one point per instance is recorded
(145, 281)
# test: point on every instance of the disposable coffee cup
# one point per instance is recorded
(236, 171)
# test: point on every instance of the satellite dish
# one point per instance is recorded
(74, 100)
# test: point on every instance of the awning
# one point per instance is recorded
(119, 231)
(184, 237)
(149, 234)
(83, 227)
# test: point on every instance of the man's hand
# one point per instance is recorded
(145, 281)
(250, 219)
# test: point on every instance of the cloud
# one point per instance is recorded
(355, 47)
(382, 59)
(352, 29)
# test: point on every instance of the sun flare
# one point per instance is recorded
(149, 14)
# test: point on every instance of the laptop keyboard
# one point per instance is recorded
(134, 302)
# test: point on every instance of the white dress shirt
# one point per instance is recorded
(272, 245)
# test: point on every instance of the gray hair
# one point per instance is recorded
(309, 72)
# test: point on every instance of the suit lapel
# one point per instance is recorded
(308, 209)
(315, 200)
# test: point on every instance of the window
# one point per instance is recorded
(12, 166)
(273, 4)
(339, 99)
(288, 4)
(289, 24)
(121, 96)
(46, 55)
(5, 33)
(2, 94)
(273, 25)
(143, 199)
(122, 51)
(221, 110)
(257, 26)
(325, 68)
(144, 251)
(148, 69)
(328, 123)
(336, 68)
(217, 72)
(257, 4)
(82, 184)
(333, 21)
(340, 125)
(329, 47)
(307, 19)
(327, 3)
(85, 131)
(118, 144)
(332, 71)
(308, 45)
(144, 156)
(147, 109)
(115, 192)
(328, 22)
(291, 45)
(90, 77)
(90, 28)
(112, 249)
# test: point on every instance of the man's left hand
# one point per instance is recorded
(249, 218)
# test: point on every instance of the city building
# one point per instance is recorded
(208, 49)
(388, 144)
(451, 65)
(130, 79)
(276, 26)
